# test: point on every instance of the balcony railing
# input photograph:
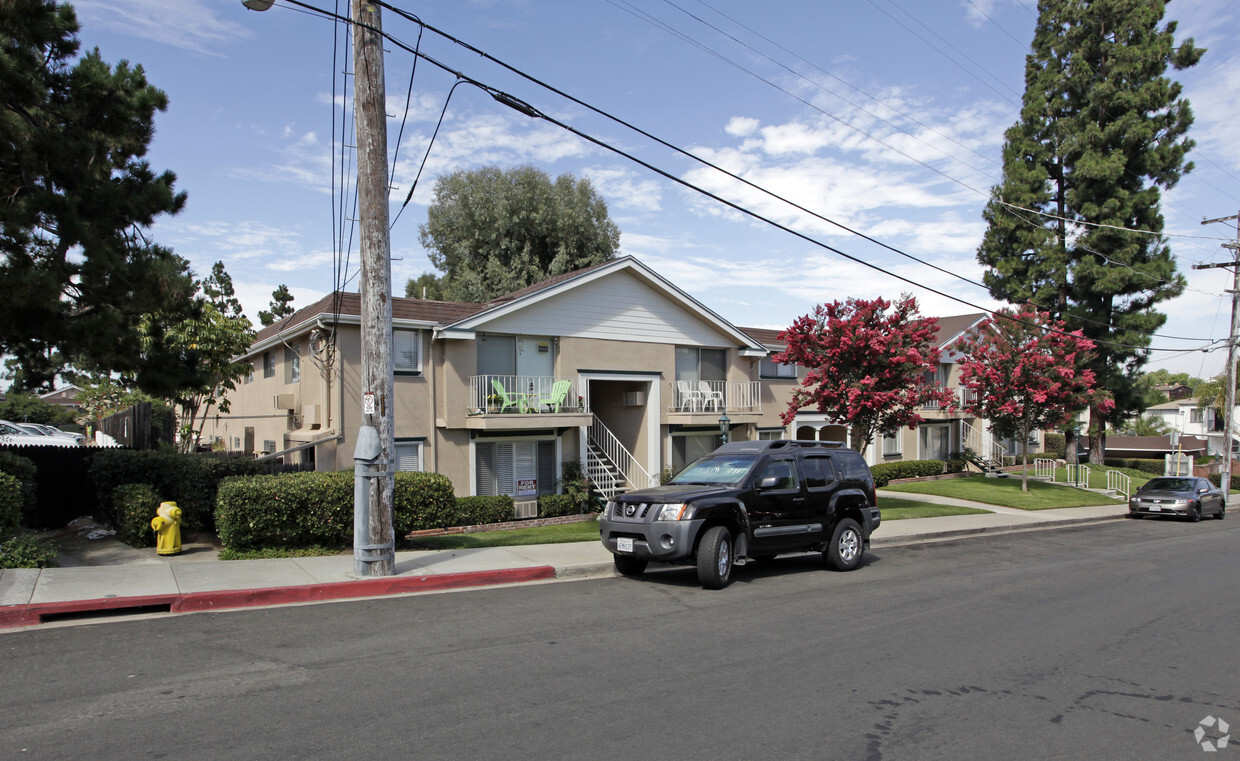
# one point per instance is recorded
(716, 396)
(524, 395)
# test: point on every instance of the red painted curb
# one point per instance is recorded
(34, 613)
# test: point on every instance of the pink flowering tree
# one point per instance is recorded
(870, 363)
(1026, 372)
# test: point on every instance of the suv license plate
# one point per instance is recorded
(624, 544)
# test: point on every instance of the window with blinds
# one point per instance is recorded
(515, 468)
(408, 455)
(405, 355)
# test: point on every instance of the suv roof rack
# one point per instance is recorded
(772, 445)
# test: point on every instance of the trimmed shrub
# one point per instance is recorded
(27, 551)
(135, 506)
(890, 471)
(474, 511)
(1217, 480)
(1054, 445)
(10, 505)
(190, 480)
(25, 471)
(555, 505)
(286, 510)
(955, 465)
(1145, 466)
(422, 501)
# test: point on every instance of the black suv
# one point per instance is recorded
(748, 500)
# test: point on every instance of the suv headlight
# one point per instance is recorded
(678, 511)
(609, 509)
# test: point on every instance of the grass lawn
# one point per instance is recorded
(893, 509)
(1098, 476)
(1006, 492)
(585, 531)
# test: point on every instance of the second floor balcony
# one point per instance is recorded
(525, 395)
(716, 396)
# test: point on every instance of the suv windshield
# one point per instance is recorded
(726, 470)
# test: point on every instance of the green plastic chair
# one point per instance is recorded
(506, 401)
(559, 393)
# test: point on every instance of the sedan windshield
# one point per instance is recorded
(1169, 484)
(727, 470)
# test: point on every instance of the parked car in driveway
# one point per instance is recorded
(15, 434)
(1182, 496)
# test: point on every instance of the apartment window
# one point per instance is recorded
(409, 454)
(517, 468)
(891, 444)
(770, 434)
(292, 363)
(269, 446)
(406, 357)
(269, 365)
(697, 364)
(935, 441)
(769, 368)
(1194, 415)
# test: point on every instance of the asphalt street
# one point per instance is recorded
(1111, 641)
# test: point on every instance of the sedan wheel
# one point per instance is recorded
(1194, 513)
(1222, 510)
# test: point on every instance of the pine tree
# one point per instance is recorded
(281, 306)
(77, 271)
(1101, 134)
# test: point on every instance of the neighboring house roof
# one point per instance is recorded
(1155, 444)
(65, 396)
(950, 329)
(1173, 405)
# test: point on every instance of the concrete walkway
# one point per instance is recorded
(103, 575)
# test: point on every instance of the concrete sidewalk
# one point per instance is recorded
(120, 579)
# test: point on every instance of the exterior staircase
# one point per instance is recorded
(980, 449)
(611, 468)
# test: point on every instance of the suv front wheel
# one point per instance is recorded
(714, 558)
(844, 551)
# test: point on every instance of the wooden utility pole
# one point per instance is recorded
(374, 553)
(1229, 412)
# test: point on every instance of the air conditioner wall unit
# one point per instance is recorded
(312, 416)
(634, 398)
(285, 401)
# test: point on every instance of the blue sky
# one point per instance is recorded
(885, 115)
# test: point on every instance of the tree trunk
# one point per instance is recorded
(1097, 437)
(1024, 470)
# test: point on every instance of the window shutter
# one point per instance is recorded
(408, 455)
(546, 467)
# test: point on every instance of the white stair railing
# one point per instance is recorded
(1044, 468)
(630, 469)
(1119, 483)
(982, 442)
(602, 476)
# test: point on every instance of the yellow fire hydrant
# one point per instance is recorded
(167, 525)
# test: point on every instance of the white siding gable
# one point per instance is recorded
(619, 307)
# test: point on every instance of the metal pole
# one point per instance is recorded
(370, 114)
(1229, 412)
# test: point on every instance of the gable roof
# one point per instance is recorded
(512, 302)
(454, 318)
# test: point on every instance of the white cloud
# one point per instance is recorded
(189, 24)
(742, 126)
(624, 189)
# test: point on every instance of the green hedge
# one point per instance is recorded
(1054, 445)
(477, 511)
(25, 471)
(1217, 480)
(135, 506)
(1157, 467)
(555, 505)
(27, 551)
(190, 480)
(424, 500)
(10, 506)
(890, 471)
(295, 510)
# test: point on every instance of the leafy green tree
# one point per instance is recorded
(191, 361)
(103, 395)
(77, 271)
(1101, 134)
(428, 285)
(28, 408)
(1145, 426)
(281, 306)
(492, 231)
